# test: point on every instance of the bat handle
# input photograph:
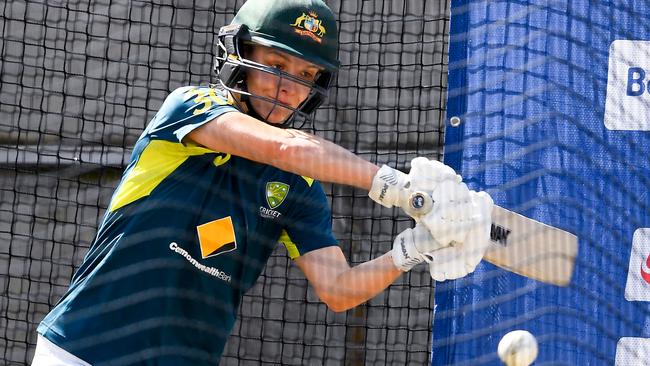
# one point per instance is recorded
(420, 203)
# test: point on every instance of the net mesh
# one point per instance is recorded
(551, 130)
(79, 80)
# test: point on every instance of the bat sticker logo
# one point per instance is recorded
(499, 235)
(645, 270)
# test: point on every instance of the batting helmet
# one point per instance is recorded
(302, 28)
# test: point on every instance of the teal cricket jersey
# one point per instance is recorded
(187, 232)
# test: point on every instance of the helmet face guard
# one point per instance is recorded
(231, 66)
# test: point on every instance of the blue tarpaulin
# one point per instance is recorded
(554, 103)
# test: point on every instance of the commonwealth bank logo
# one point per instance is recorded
(276, 192)
(217, 237)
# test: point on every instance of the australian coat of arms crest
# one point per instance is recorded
(309, 25)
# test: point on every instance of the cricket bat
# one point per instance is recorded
(522, 245)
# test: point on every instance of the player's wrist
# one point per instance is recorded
(387, 186)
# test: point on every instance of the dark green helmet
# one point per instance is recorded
(302, 28)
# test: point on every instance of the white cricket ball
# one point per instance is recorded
(518, 348)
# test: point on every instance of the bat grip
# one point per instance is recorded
(420, 203)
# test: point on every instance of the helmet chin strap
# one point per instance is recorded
(250, 110)
(253, 113)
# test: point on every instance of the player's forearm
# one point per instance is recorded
(325, 161)
(361, 283)
(287, 149)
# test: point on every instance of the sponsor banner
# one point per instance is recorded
(632, 351)
(628, 86)
(637, 287)
(554, 121)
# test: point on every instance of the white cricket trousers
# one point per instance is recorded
(49, 354)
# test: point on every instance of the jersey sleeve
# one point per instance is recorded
(188, 108)
(310, 224)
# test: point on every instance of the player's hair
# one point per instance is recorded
(302, 28)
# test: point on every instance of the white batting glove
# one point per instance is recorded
(412, 246)
(462, 257)
(478, 238)
(390, 187)
(425, 174)
(453, 212)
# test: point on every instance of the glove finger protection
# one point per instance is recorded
(425, 173)
(410, 247)
(447, 264)
(462, 257)
(478, 237)
(450, 218)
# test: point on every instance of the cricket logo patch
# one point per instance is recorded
(276, 192)
(308, 25)
(217, 237)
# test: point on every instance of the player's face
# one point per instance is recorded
(271, 86)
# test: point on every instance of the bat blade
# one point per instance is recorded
(522, 245)
(531, 248)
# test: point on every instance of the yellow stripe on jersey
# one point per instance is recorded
(157, 161)
(309, 181)
(291, 246)
(221, 159)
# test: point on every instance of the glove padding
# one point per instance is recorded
(452, 214)
(462, 256)
(411, 246)
(390, 187)
(425, 174)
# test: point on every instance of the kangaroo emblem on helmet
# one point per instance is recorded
(309, 25)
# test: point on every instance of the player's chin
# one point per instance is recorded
(279, 115)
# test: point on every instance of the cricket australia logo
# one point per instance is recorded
(308, 25)
(276, 192)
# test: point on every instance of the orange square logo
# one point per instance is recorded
(217, 237)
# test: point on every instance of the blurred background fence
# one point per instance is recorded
(79, 80)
